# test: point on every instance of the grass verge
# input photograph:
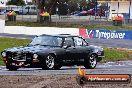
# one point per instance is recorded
(68, 25)
(110, 54)
(11, 42)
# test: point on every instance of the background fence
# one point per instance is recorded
(29, 13)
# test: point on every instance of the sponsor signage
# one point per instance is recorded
(84, 78)
(103, 78)
(2, 3)
(106, 34)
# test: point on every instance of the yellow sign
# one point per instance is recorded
(44, 14)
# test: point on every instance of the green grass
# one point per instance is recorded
(37, 24)
(116, 54)
(11, 42)
(110, 54)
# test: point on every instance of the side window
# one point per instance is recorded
(68, 41)
(79, 41)
(59, 41)
(85, 43)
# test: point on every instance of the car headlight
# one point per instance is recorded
(99, 52)
(35, 56)
(3, 54)
(101, 49)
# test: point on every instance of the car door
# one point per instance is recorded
(81, 47)
(69, 49)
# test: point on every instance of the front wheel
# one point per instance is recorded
(11, 67)
(90, 62)
(50, 63)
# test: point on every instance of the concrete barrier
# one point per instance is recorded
(2, 25)
(40, 30)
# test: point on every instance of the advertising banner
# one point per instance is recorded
(105, 34)
(2, 3)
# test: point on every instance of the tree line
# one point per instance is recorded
(62, 6)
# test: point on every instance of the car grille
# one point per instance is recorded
(102, 54)
(19, 56)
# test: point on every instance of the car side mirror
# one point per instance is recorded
(67, 46)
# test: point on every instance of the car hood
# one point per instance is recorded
(32, 49)
(96, 47)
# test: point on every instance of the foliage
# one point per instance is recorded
(62, 7)
(16, 2)
(72, 5)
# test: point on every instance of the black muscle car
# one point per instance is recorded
(53, 52)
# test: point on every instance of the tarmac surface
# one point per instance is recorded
(119, 67)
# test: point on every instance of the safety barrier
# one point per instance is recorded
(40, 30)
(2, 25)
(86, 33)
(106, 34)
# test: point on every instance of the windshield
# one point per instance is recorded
(47, 40)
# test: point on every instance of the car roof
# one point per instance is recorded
(61, 35)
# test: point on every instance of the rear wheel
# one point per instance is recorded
(50, 63)
(57, 67)
(91, 62)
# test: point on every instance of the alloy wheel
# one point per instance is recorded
(50, 62)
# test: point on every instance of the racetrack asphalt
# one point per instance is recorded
(119, 67)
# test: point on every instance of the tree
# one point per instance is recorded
(16, 2)
(45, 5)
(73, 5)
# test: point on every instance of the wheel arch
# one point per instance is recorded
(93, 53)
(53, 54)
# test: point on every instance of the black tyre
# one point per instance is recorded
(57, 67)
(50, 63)
(90, 62)
(11, 67)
